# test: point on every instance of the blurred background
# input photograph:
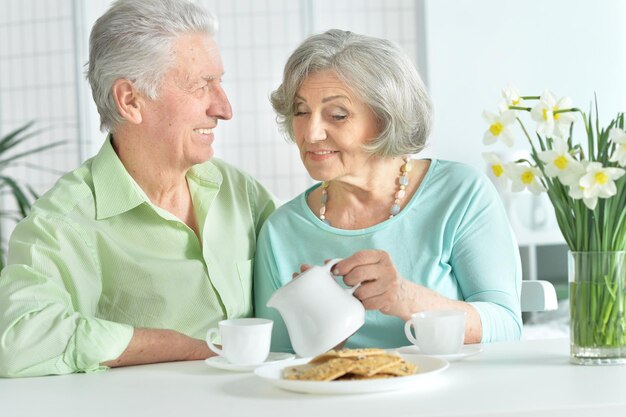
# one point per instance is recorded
(466, 51)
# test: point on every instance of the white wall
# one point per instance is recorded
(256, 38)
(86, 14)
(474, 48)
(468, 49)
(44, 46)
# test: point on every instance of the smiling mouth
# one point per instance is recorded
(204, 131)
(322, 152)
(320, 156)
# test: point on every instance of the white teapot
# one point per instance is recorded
(318, 312)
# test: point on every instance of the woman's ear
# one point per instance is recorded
(128, 100)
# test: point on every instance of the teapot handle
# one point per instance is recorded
(329, 267)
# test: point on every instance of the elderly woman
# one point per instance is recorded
(417, 234)
(132, 256)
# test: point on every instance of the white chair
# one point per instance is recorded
(538, 295)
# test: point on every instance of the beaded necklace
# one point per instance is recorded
(403, 182)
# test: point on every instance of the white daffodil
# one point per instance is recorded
(618, 137)
(499, 127)
(524, 177)
(550, 124)
(496, 167)
(559, 163)
(575, 189)
(576, 192)
(511, 97)
(598, 182)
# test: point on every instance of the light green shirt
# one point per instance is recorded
(95, 258)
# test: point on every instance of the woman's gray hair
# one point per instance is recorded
(133, 40)
(376, 70)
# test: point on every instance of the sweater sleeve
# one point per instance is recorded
(266, 282)
(485, 261)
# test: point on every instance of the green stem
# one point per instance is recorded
(573, 109)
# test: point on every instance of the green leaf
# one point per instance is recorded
(30, 152)
(18, 194)
(23, 195)
(6, 142)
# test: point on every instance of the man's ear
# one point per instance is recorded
(128, 100)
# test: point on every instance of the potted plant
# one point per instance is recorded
(22, 194)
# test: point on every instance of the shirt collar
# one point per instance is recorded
(116, 192)
(206, 174)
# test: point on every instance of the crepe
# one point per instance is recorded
(351, 364)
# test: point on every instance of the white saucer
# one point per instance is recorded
(465, 352)
(221, 363)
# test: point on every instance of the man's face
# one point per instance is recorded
(191, 100)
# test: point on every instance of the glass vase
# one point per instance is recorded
(597, 307)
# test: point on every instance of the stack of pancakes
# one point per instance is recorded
(351, 364)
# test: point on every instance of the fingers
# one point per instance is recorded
(380, 282)
(374, 288)
(303, 268)
(361, 274)
(364, 257)
(383, 302)
(376, 265)
(378, 294)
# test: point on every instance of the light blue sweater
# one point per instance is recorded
(452, 237)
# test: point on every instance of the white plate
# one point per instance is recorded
(427, 367)
(221, 363)
(466, 352)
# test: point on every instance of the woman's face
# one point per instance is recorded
(330, 126)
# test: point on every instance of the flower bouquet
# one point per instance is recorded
(587, 188)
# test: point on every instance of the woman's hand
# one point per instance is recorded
(303, 268)
(382, 287)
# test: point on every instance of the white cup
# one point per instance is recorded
(245, 341)
(439, 332)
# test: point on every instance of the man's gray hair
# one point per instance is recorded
(133, 40)
(377, 71)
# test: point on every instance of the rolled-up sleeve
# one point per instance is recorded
(49, 295)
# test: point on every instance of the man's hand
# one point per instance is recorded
(159, 345)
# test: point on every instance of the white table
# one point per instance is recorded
(529, 378)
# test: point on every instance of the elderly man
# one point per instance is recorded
(131, 257)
